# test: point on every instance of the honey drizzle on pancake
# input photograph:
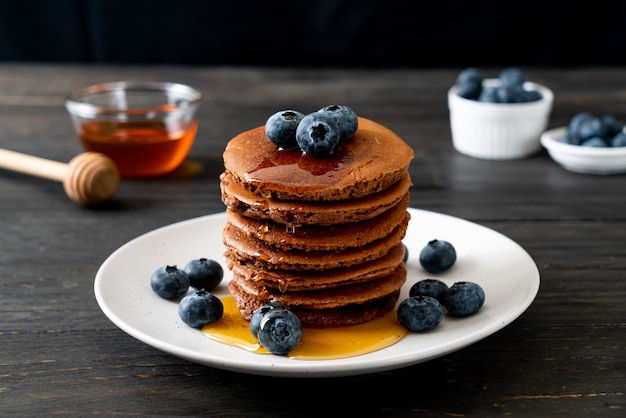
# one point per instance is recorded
(317, 343)
(315, 170)
(371, 161)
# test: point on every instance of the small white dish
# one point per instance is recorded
(499, 131)
(506, 272)
(585, 160)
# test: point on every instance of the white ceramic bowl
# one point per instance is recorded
(499, 131)
(586, 160)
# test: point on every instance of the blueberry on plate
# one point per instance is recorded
(257, 315)
(420, 313)
(437, 256)
(204, 273)
(280, 128)
(464, 298)
(406, 254)
(169, 282)
(345, 117)
(280, 331)
(429, 287)
(200, 308)
(318, 134)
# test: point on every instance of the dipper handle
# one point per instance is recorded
(88, 179)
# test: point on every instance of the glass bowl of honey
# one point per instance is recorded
(146, 127)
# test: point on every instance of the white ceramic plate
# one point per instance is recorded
(506, 272)
(585, 160)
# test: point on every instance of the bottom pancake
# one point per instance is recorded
(345, 305)
(347, 315)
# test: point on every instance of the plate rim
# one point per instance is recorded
(284, 367)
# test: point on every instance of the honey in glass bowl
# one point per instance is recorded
(146, 128)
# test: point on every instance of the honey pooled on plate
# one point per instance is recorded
(316, 343)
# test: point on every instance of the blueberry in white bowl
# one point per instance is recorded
(498, 118)
(589, 144)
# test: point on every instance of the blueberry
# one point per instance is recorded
(318, 134)
(437, 256)
(204, 273)
(573, 128)
(406, 253)
(571, 136)
(169, 282)
(591, 127)
(280, 331)
(619, 140)
(570, 139)
(420, 313)
(429, 287)
(280, 128)
(470, 91)
(612, 125)
(588, 130)
(533, 96)
(258, 314)
(345, 117)
(595, 142)
(470, 83)
(470, 75)
(512, 93)
(512, 76)
(200, 308)
(464, 298)
(489, 94)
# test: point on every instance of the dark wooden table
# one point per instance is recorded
(60, 355)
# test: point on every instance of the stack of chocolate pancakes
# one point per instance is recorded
(321, 235)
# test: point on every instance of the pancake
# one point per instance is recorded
(256, 253)
(329, 298)
(354, 304)
(285, 280)
(347, 315)
(297, 213)
(371, 161)
(331, 238)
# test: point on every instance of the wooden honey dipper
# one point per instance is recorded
(89, 178)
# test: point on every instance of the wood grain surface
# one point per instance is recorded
(61, 356)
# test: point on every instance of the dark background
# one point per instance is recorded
(339, 33)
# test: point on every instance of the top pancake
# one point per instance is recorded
(371, 161)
